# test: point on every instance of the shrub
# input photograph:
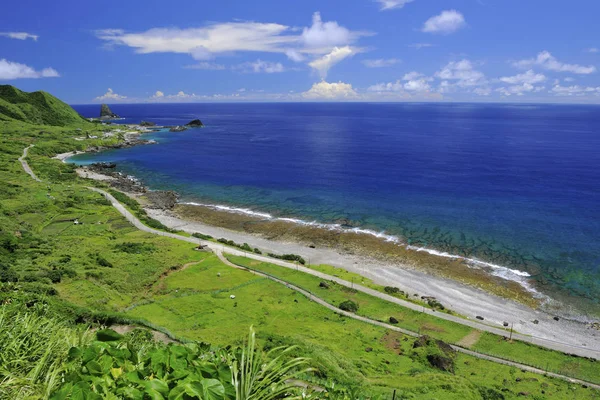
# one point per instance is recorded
(349, 306)
(288, 257)
(103, 262)
(201, 236)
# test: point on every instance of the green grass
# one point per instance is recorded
(39, 242)
(381, 310)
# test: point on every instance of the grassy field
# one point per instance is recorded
(448, 331)
(105, 265)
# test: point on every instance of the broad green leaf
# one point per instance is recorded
(108, 335)
(158, 385)
(193, 389)
(154, 395)
(212, 389)
(63, 392)
(130, 393)
(94, 368)
(177, 393)
(116, 372)
(75, 352)
(106, 362)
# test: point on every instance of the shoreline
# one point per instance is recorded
(464, 299)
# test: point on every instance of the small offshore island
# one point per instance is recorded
(122, 288)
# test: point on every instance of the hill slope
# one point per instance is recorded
(36, 107)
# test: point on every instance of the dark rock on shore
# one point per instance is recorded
(178, 129)
(147, 123)
(106, 113)
(162, 199)
(102, 165)
(195, 124)
(120, 181)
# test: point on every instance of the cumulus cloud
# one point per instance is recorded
(330, 91)
(391, 4)
(420, 46)
(463, 73)
(19, 35)
(217, 39)
(575, 90)
(547, 61)
(260, 66)
(326, 34)
(323, 64)
(529, 77)
(13, 70)
(519, 90)
(208, 66)
(381, 62)
(110, 95)
(414, 82)
(158, 95)
(447, 22)
(294, 55)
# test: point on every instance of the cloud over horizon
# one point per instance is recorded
(13, 70)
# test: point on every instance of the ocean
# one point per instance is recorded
(516, 186)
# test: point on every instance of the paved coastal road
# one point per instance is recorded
(218, 250)
(26, 166)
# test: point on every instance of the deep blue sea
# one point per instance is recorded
(515, 185)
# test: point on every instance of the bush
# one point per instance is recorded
(257, 251)
(391, 290)
(135, 247)
(349, 306)
(103, 262)
(201, 236)
(288, 257)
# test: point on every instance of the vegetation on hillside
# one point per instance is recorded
(59, 279)
(39, 108)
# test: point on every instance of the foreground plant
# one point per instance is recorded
(113, 368)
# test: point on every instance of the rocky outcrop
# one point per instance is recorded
(106, 113)
(161, 199)
(195, 124)
(177, 129)
(147, 123)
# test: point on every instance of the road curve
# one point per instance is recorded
(218, 250)
(26, 166)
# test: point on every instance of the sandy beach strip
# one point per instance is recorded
(465, 300)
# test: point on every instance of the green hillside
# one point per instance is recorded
(38, 108)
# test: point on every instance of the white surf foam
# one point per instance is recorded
(500, 271)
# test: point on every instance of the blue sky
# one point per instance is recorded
(284, 50)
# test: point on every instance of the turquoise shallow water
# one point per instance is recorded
(516, 186)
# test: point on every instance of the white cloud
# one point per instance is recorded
(592, 50)
(210, 41)
(575, 90)
(447, 22)
(463, 73)
(483, 91)
(391, 4)
(206, 66)
(158, 95)
(294, 55)
(260, 66)
(110, 95)
(326, 34)
(330, 91)
(569, 79)
(547, 61)
(529, 77)
(412, 75)
(414, 82)
(420, 46)
(323, 64)
(13, 70)
(19, 35)
(519, 90)
(381, 62)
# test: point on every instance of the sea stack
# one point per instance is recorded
(195, 124)
(106, 113)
